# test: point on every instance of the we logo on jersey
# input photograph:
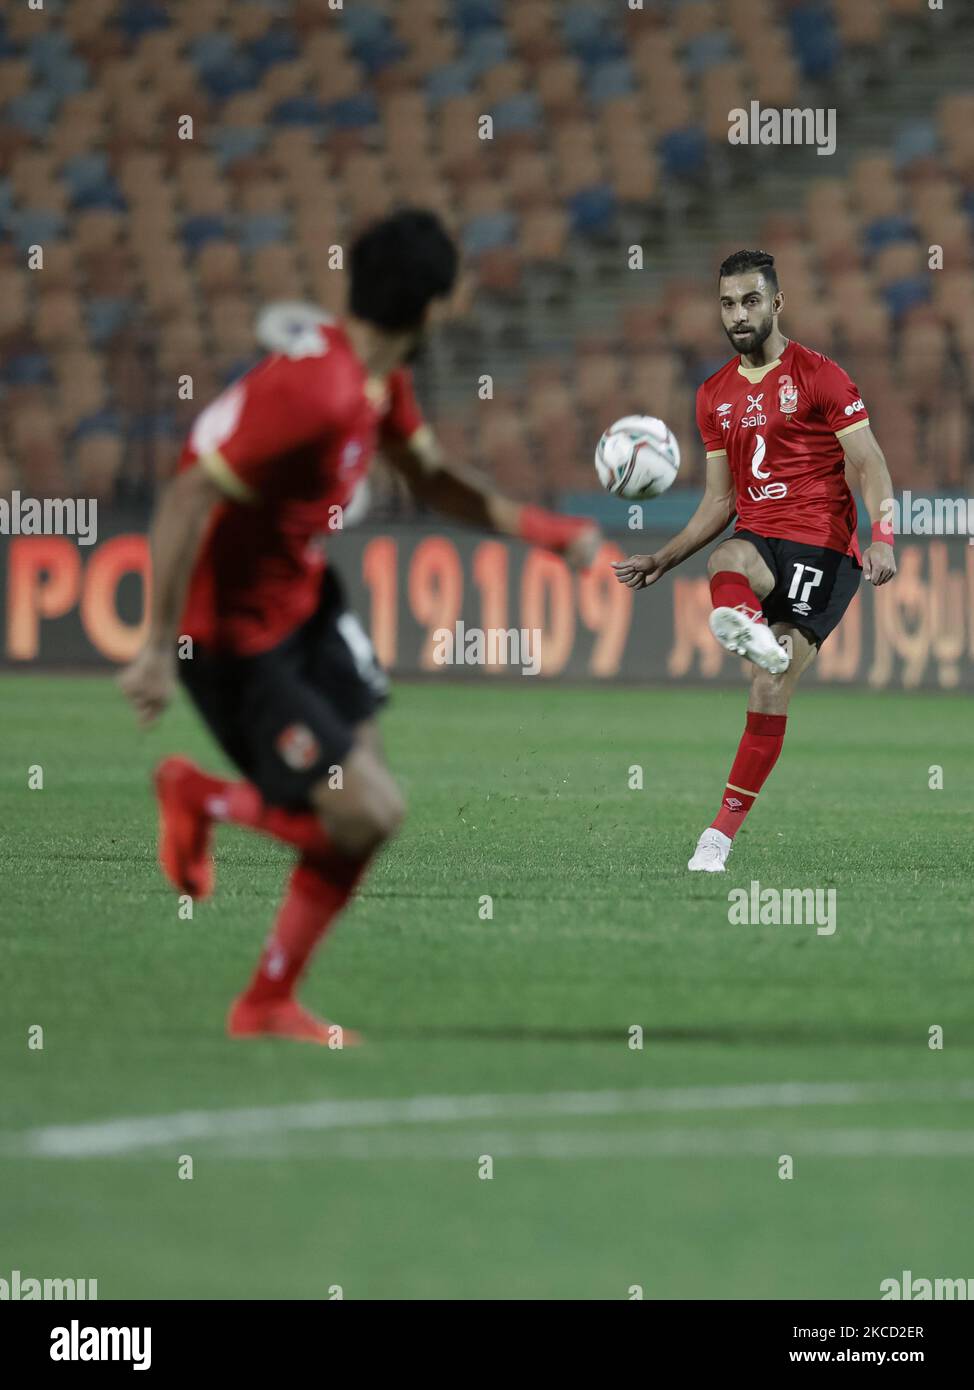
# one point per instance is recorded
(855, 407)
(771, 492)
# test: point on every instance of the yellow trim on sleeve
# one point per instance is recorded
(859, 425)
(215, 466)
(716, 453)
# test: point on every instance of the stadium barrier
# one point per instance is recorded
(444, 603)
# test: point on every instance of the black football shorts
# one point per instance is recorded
(288, 715)
(813, 586)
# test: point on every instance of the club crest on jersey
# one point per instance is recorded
(297, 746)
(754, 415)
(787, 395)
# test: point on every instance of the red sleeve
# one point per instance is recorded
(709, 432)
(403, 416)
(279, 405)
(837, 397)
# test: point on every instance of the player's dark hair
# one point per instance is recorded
(397, 266)
(742, 261)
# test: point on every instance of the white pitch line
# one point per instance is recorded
(132, 1134)
(468, 1146)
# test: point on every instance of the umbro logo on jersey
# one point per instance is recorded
(733, 803)
(723, 409)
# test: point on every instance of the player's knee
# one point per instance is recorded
(730, 555)
(362, 827)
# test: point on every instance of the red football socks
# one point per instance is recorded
(728, 589)
(757, 754)
(317, 892)
(240, 803)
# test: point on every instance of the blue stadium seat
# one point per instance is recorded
(237, 142)
(815, 40)
(915, 140)
(608, 80)
(104, 317)
(239, 74)
(69, 76)
(351, 112)
(485, 49)
(473, 16)
(298, 110)
(263, 229)
(213, 50)
(364, 24)
(44, 51)
(884, 231)
(376, 54)
(488, 231)
(85, 171)
(197, 231)
(100, 421)
(33, 227)
(592, 210)
(277, 45)
(588, 38)
(139, 17)
(904, 295)
(684, 152)
(33, 111)
(450, 80)
(104, 195)
(27, 369)
(520, 112)
(707, 51)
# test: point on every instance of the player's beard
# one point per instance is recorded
(757, 336)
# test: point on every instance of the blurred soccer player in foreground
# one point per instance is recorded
(283, 675)
(779, 423)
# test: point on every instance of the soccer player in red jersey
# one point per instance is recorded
(283, 675)
(780, 424)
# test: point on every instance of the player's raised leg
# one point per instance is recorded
(758, 750)
(739, 581)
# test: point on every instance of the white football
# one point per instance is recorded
(637, 458)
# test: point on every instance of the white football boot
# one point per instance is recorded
(736, 630)
(710, 855)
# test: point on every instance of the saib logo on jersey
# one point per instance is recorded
(755, 415)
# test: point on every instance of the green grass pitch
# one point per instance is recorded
(613, 1166)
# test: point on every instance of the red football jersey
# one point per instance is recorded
(780, 427)
(295, 435)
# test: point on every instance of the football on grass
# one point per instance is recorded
(637, 458)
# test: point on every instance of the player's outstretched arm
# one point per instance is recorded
(867, 463)
(717, 507)
(177, 532)
(464, 495)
